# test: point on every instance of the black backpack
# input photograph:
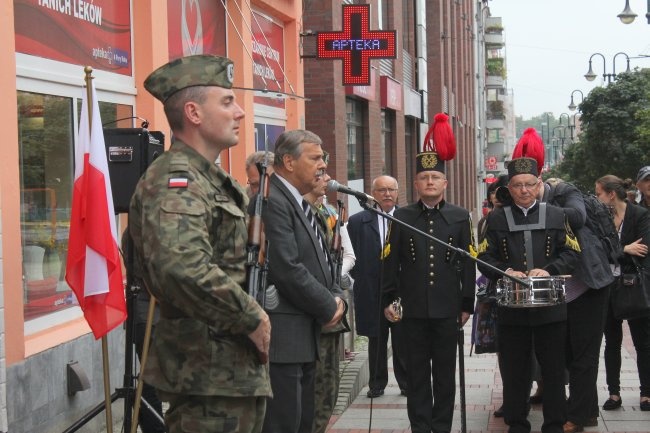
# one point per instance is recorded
(599, 220)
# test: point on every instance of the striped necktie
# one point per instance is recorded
(314, 225)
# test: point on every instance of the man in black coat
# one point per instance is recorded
(367, 233)
(526, 239)
(436, 290)
(302, 296)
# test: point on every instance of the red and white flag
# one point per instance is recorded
(93, 268)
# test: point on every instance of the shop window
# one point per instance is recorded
(46, 136)
(354, 111)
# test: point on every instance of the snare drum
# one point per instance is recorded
(541, 292)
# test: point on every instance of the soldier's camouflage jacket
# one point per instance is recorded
(187, 220)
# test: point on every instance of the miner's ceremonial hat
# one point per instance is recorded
(198, 70)
(439, 146)
(522, 166)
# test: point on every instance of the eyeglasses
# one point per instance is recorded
(526, 186)
(385, 190)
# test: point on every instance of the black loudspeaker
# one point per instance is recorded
(129, 152)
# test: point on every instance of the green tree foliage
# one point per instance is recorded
(615, 135)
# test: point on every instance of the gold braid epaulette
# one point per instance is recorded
(571, 240)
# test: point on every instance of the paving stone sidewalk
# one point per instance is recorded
(356, 413)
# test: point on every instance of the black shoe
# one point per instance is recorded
(645, 405)
(374, 393)
(536, 399)
(591, 422)
(612, 404)
(499, 412)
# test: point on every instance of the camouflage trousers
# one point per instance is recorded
(201, 414)
(326, 383)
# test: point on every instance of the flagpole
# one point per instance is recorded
(88, 70)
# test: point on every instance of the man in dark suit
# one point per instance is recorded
(529, 239)
(434, 288)
(367, 233)
(302, 296)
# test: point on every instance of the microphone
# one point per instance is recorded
(333, 185)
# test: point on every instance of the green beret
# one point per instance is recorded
(199, 70)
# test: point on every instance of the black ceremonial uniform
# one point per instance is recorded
(555, 250)
(424, 274)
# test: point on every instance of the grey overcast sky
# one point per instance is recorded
(549, 42)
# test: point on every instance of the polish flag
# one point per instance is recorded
(93, 268)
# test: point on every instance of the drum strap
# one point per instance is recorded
(527, 229)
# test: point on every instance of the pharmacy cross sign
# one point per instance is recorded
(356, 45)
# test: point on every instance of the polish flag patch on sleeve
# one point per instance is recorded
(177, 182)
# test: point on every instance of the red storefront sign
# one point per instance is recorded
(196, 27)
(268, 58)
(391, 93)
(365, 92)
(95, 33)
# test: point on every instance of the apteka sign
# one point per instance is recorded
(356, 45)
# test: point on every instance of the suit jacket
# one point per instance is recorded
(423, 272)
(299, 271)
(363, 228)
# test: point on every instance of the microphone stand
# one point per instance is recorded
(460, 255)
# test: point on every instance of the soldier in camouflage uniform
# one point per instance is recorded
(327, 377)
(187, 220)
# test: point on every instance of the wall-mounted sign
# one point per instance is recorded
(365, 92)
(356, 45)
(195, 27)
(391, 93)
(268, 58)
(95, 33)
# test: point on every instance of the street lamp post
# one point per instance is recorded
(591, 76)
(560, 138)
(568, 123)
(572, 105)
(627, 16)
(614, 63)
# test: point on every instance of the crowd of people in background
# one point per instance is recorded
(226, 360)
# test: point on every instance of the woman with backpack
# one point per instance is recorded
(587, 297)
(633, 225)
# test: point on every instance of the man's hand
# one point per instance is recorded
(338, 315)
(517, 274)
(261, 337)
(464, 317)
(538, 273)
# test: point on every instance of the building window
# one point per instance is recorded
(411, 147)
(46, 137)
(354, 111)
(387, 141)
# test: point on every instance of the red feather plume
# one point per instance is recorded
(530, 145)
(440, 138)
